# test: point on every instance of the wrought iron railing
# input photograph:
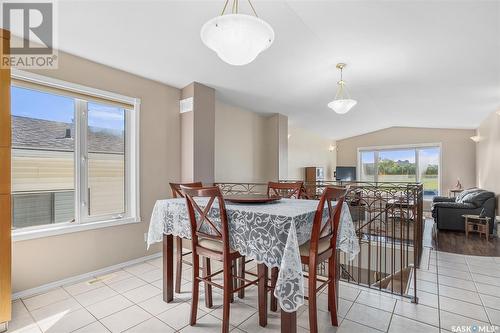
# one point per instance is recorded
(242, 188)
(388, 218)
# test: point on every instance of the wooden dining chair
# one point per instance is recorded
(285, 190)
(320, 248)
(177, 193)
(211, 240)
(292, 190)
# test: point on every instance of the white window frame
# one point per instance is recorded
(416, 147)
(132, 176)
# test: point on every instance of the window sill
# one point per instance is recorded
(66, 228)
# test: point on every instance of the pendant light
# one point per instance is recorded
(237, 38)
(342, 102)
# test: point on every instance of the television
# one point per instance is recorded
(345, 173)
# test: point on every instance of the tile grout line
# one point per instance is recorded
(152, 316)
(437, 286)
(31, 316)
(83, 307)
(92, 324)
(392, 316)
(118, 294)
(478, 293)
(355, 302)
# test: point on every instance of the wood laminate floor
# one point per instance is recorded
(455, 242)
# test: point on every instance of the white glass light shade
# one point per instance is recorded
(237, 38)
(342, 106)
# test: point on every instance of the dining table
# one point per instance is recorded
(269, 233)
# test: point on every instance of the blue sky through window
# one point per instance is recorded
(398, 155)
(34, 104)
(40, 105)
(394, 155)
(430, 155)
(105, 116)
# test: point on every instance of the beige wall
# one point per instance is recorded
(198, 135)
(187, 139)
(187, 147)
(458, 153)
(44, 260)
(242, 152)
(272, 146)
(308, 149)
(204, 133)
(488, 155)
(282, 146)
(253, 147)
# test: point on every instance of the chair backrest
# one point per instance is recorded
(285, 190)
(330, 228)
(176, 188)
(202, 225)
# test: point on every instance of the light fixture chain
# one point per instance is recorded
(250, 3)
(340, 91)
(235, 7)
(225, 6)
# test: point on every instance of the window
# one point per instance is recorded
(397, 166)
(74, 156)
(367, 166)
(106, 160)
(402, 164)
(428, 170)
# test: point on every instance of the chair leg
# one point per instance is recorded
(241, 273)
(262, 296)
(332, 291)
(195, 289)
(178, 273)
(329, 292)
(274, 279)
(228, 288)
(234, 281)
(208, 288)
(313, 319)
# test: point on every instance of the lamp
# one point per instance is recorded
(342, 102)
(237, 38)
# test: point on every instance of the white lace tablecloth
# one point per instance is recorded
(269, 233)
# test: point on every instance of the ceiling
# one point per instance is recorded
(410, 63)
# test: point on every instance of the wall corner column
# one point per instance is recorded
(198, 134)
(282, 147)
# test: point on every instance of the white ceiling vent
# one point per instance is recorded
(186, 104)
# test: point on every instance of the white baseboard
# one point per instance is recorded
(46, 287)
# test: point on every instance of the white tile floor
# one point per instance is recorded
(453, 290)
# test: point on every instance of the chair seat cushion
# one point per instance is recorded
(323, 245)
(212, 245)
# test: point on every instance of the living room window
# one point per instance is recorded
(74, 157)
(409, 164)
